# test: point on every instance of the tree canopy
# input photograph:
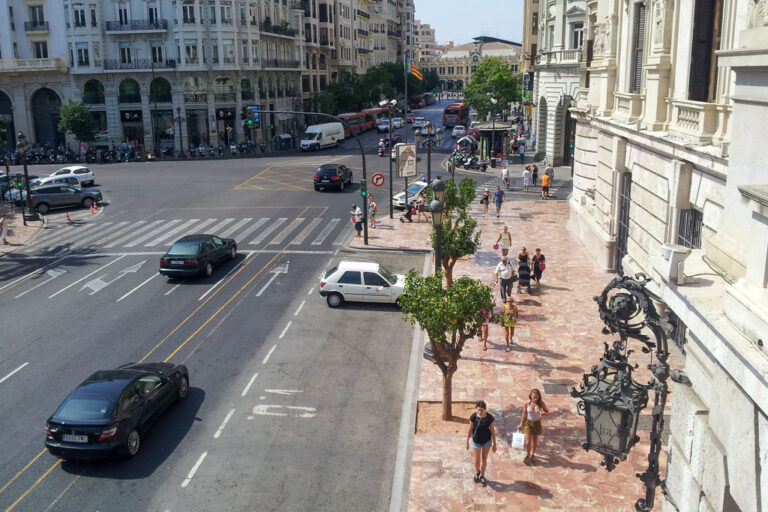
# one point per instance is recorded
(492, 76)
(77, 119)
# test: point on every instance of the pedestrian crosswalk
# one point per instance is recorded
(160, 233)
(516, 188)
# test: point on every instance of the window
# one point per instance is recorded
(577, 39)
(535, 23)
(40, 49)
(373, 279)
(188, 13)
(128, 399)
(350, 277)
(228, 46)
(15, 50)
(93, 15)
(679, 330)
(126, 56)
(82, 54)
(36, 14)
(706, 40)
(156, 47)
(152, 12)
(79, 16)
(190, 50)
(122, 15)
(10, 16)
(148, 384)
(689, 228)
(637, 48)
(226, 14)
(213, 15)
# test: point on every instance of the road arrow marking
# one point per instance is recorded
(51, 273)
(295, 410)
(99, 284)
(282, 269)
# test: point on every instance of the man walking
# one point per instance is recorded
(357, 216)
(4, 229)
(521, 152)
(498, 197)
(505, 276)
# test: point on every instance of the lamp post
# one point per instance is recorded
(429, 143)
(390, 105)
(610, 399)
(436, 208)
(21, 146)
(493, 123)
(180, 120)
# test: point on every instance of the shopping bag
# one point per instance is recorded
(495, 247)
(518, 440)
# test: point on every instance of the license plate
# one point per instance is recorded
(72, 438)
(177, 262)
(325, 180)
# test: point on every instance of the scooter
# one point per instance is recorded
(475, 164)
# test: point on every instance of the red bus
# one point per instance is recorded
(356, 120)
(416, 101)
(372, 116)
(429, 99)
(455, 114)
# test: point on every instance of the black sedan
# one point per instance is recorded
(332, 175)
(108, 413)
(197, 254)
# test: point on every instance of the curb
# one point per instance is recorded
(38, 230)
(349, 248)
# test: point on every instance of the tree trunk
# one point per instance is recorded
(447, 395)
(448, 269)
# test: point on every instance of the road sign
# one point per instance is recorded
(406, 160)
(377, 179)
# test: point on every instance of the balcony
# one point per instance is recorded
(226, 21)
(363, 14)
(115, 64)
(628, 106)
(228, 97)
(363, 50)
(137, 26)
(693, 121)
(36, 26)
(394, 33)
(195, 98)
(324, 41)
(558, 57)
(11, 65)
(279, 63)
(278, 30)
(323, 66)
(362, 32)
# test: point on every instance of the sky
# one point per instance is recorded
(461, 20)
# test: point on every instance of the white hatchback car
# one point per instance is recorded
(81, 172)
(419, 122)
(360, 281)
(458, 131)
(397, 122)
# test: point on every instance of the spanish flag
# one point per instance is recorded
(415, 72)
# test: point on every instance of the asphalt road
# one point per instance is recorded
(292, 406)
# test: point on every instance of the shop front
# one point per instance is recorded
(197, 127)
(225, 119)
(133, 127)
(164, 129)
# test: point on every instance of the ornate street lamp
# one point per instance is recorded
(436, 208)
(22, 146)
(610, 399)
(429, 132)
(180, 120)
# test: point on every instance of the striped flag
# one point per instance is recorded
(415, 72)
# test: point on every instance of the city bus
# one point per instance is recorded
(372, 116)
(416, 101)
(356, 120)
(429, 98)
(455, 114)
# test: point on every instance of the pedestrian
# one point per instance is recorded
(505, 178)
(357, 218)
(485, 201)
(545, 185)
(505, 276)
(533, 142)
(523, 270)
(487, 314)
(421, 202)
(538, 267)
(82, 150)
(482, 435)
(549, 171)
(504, 241)
(530, 423)
(521, 152)
(372, 209)
(526, 178)
(509, 320)
(4, 229)
(534, 174)
(498, 199)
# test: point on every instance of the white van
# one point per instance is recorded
(321, 136)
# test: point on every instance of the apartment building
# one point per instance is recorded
(530, 34)
(426, 47)
(34, 79)
(379, 29)
(670, 116)
(456, 65)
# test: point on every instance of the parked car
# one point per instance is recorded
(109, 411)
(47, 197)
(197, 255)
(382, 125)
(419, 122)
(398, 200)
(358, 281)
(333, 175)
(66, 179)
(458, 131)
(397, 122)
(320, 136)
(82, 173)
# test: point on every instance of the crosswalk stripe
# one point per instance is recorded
(133, 233)
(325, 232)
(133, 225)
(279, 222)
(200, 227)
(152, 233)
(170, 233)
(93, 235)
(341, 237)
(71, 238)
(62, 233)
(291, 227)
(235, 227)
(253, 227)
(215, 229)
(307, 230)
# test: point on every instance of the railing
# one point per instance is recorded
(394, 33)
(136, 25)
(693, 121)
(322, 65)
(244, 60)
(224, 97)
(160, 98)
(628, 106)
(362, 32)
(376, 30)
(129, 98)
(243, 21)
(324, 41)
(195, 98)
(277, 29)
(226, 21)
(139, 64)
(363, 50)
(229, 60)
(279, 63)
(363, 14)
(246, 95)
(12, 64)
(189, 20)
(36, 26)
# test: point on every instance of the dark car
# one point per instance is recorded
(197, 254)
(396, 139)
(47, 197)
(109, 411)
(333, 175)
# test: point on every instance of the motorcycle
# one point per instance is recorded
(233, 149)
(90, 156)
(211, 152)
(475, 164)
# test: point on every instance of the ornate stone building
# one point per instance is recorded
(670, 116)
(456, 65)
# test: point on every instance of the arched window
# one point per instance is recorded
(93, 93)
(160, 91)
(129, 91)
(246, 91)
(223, 90)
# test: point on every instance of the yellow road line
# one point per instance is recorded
(44, 475)
(17, 475)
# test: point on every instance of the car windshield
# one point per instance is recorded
(310, 136)
(389, 276)
(326, 171)
(86, 407)
(184, 249)
(330, 272)
(414, 189)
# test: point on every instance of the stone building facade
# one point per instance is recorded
(456, 65)
(426, 47)
(670, 116)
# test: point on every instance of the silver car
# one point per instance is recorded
(47, 197)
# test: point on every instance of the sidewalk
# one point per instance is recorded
(558, 338)
(18, 233)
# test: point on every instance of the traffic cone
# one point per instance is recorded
(93, 210)
(69, 221)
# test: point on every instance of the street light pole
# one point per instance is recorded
(180, 120)
(389, 157)
(22, 145)
(493, 123)
(436, 209)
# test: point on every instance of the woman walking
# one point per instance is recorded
(534, 174)
(509, 320)
(487, 314)
(530, 423)
(504, 241)
(485, 201)
(372, 209)
(420, 208)
(523, 270)
(482, 436)
(4, 229)
(538, 267)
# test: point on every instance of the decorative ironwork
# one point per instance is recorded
(137, 25)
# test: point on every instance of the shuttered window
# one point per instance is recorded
(706, 40)
(637, 68)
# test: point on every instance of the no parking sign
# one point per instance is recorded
(377, 179)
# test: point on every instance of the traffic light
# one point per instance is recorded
(243, 114)
(527, 95)
(253, 116)
(363, 188)
(434, 95)
(19, 181)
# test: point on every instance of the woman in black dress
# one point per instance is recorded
(482, 437)
(538, 267)
(524, 270)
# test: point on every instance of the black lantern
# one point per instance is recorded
(438, 188)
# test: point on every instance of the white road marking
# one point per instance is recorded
(32, 273)
(238, 225)
(283, 391)
(62, 493)
(199, 228)
(248, 386)
(172, 289)
(282, 269)
(223, 278)
(159, 229)
(253, 227)
(53, 273)
(220, 225)
(299, 308)
(295, 223)
(98, 284)
(266, 358)
(279, 222)
(170, 233)
(98, 235)
(134, 233)
(325, 232)
(342, 236)
(72, 236)
(305, 233)
(284, 331)
(142, 284)
(86, 276)
(13, 372)
(223, 424)
(268, 410)
(311, 290)
(194, 469)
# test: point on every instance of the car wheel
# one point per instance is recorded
(341, 186)
(317, 188)
(183, 388)
(42, 208)
(233, 252)
(133, 443)
(87, 202)
(335, 300)
(208, 269)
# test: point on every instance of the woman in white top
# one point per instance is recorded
(504, 241)
(530, 423)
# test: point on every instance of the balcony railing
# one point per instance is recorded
(226, 21)
(227, 97)
(139, 64)
(137, 26)
(8, 64)
(36, 26)
(628, 106)
(129, 98)
(279, 63)
(693, 121)
(362, 32)
(394, 33)
(195, 98)
(324, 41)
(363, 14)
(322, 65)
(277, 29)
(363, 50)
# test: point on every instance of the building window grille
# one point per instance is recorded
(689, 228)
(679, 330)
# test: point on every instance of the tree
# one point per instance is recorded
(459, 238)
(450, 316)
(492, 75)
(77, 119)
(431, 80)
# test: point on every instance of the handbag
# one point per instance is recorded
(495, 247)
(542, 266)
(353, 219)
(518, 440)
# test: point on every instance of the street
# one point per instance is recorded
(289, 399)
